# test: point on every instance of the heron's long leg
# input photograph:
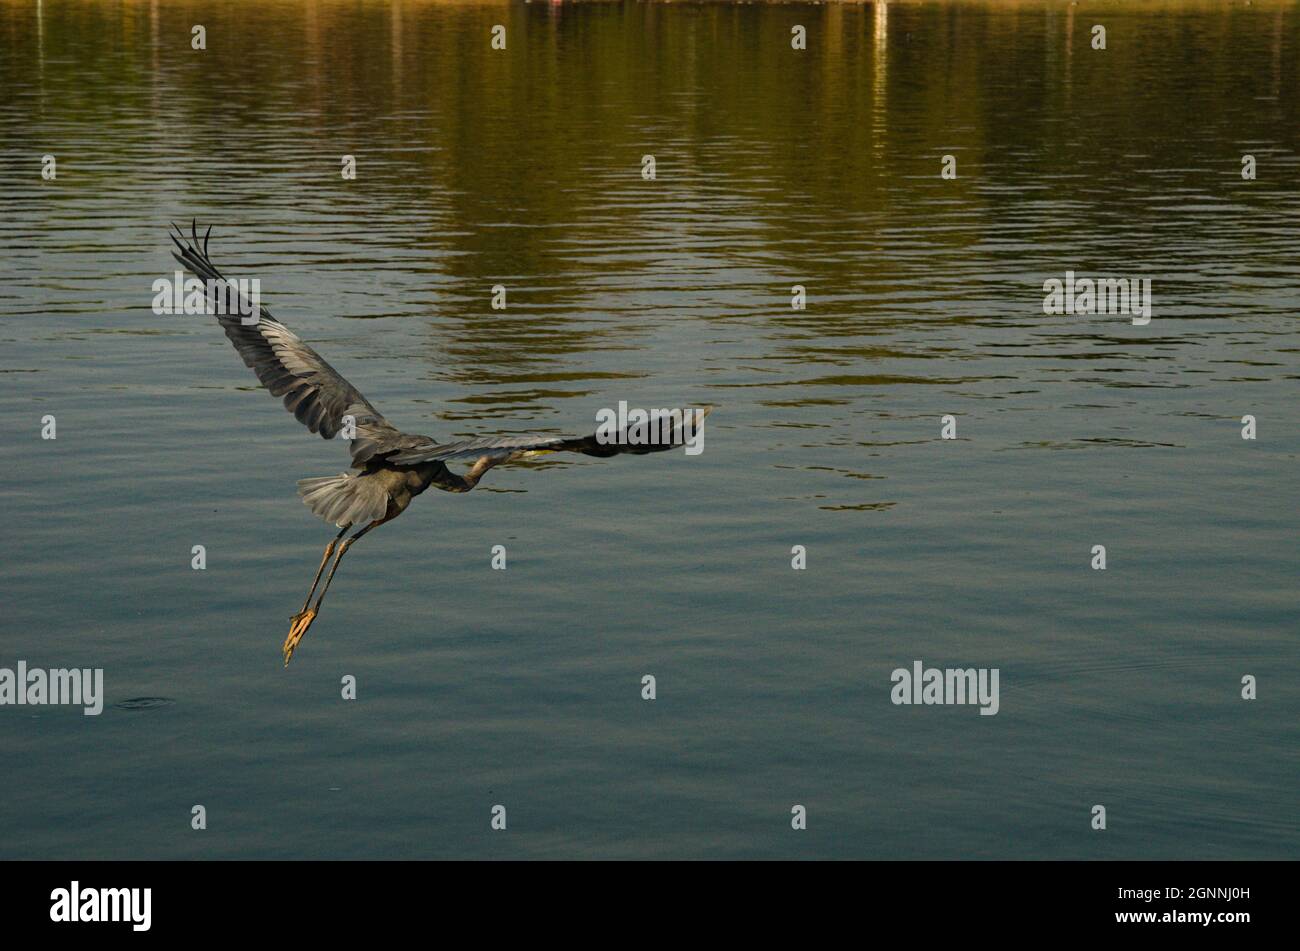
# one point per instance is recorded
(343, 550)
(329, 550)
(302, 621)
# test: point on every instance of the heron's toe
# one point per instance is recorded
(300, 623)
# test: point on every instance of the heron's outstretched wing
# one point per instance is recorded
(503, 448)
(313, 391)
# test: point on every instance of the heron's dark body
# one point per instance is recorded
(404, 483)
(401, 483)
(377, 490)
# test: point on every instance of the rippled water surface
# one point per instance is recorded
(774, 167)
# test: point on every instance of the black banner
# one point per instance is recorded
(1221, 901)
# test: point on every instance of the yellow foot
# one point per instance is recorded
(301, 622)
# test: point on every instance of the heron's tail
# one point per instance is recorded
(345, 499)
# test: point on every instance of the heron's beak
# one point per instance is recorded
(300, 623)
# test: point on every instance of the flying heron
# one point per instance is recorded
(389, 467)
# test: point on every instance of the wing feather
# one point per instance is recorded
(513, 447)
(317, 394)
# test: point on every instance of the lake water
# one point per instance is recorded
(773, 167)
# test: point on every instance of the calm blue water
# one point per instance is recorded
(774, 167)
